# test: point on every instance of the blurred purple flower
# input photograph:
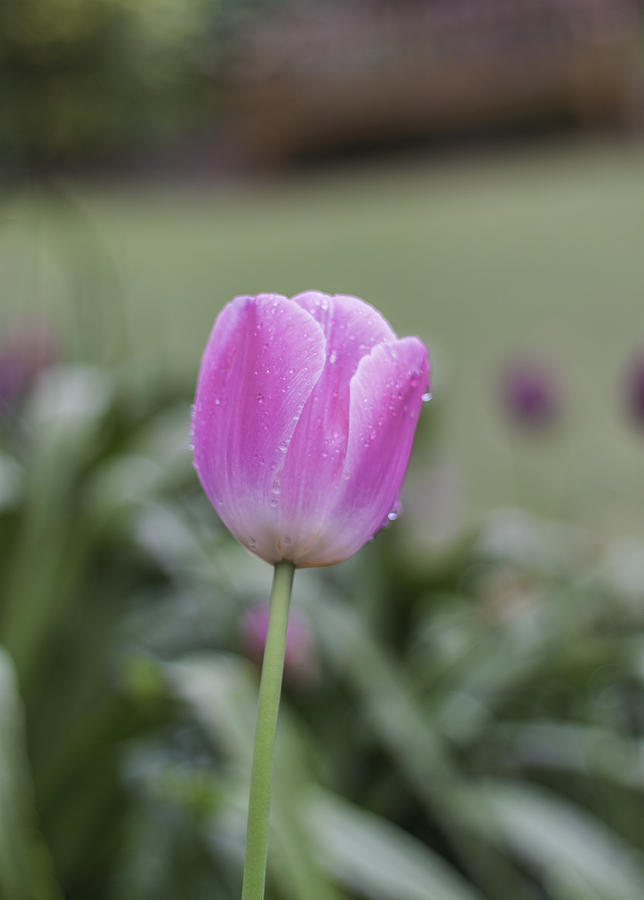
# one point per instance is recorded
(300, 662)
(531, 393)
(634, 388)
(28, 347)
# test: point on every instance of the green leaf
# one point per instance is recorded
(576, 855)
(378, 859)
(25, 867)
(584, 749)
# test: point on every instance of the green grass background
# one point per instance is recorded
(540, 250)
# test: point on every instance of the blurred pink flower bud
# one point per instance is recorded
(300, 661)
(27, 348)
(303, 423)
(530, 392)
(634, 388)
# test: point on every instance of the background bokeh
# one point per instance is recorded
(462, 714)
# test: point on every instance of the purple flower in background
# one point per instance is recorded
(530, 392)
(303, 423)
(27, 348)
(634, 388)
(300, 661)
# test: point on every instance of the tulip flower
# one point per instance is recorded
(303, 423)
(634, 388)
(299, 655)
(302, 427)
(530, 392)
(29, 347)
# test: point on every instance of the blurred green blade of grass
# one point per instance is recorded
(377, 858)
(26, 871)
(573, 851)
(592, 751)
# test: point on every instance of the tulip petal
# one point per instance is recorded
(262, 361)
(315, 458)
(385, 399)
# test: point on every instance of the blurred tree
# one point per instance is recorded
(87, 79)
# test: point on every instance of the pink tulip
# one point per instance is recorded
(29, 347)
(303, 423)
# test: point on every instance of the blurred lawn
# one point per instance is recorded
(541, 250)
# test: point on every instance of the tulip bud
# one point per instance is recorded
(28, 348)
(303, 423)
(634, 389)
(530, 393)
(300, 662)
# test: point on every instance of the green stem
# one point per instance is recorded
(270, 687)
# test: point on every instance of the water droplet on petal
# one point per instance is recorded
(427, 396)
(333, 356)
(252, 543)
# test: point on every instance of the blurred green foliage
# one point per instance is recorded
(474, 728)
(86, 79)
(95, 81)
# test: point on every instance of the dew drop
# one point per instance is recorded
(252, 543)
(260, 398)
(427, 396)
(393, 515)
(333, 356)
